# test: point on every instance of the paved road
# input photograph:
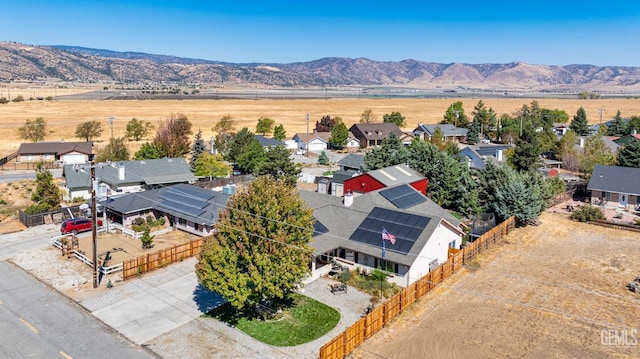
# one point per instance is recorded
(11, 176)
(37, 322)
(32, 238)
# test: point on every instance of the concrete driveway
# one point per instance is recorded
(155, 303)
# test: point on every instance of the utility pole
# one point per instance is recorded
(601, 110)
(307, 139)
(455, 123)
(94, 230)
(111, 124)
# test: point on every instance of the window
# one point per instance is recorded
(452, 244)
(606, 195)
(182, 221)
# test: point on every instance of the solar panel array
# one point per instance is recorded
(403, 196)
(405, 226)
(186, 201)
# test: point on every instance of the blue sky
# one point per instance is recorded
(545, 32)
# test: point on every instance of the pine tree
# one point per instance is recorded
(629, 154)
(579, 123)
(197, 149)
(617, 127)
(323, 159)
(391, 152)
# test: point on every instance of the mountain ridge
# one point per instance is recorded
(21, 62)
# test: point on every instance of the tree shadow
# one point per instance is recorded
(207, 300)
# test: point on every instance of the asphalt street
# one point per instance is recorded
(38, 322)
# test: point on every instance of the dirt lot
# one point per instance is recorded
(555, 290)
(63, 116)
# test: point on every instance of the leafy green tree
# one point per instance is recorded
(224, 130)
(172, 138)
(252, 155)
(618, 127)
(526, 155)
(579, 124)
(595, 152)
(279, 133)
(339, 135)
(265, 125)
(116, 150)
(323, 159)
(279, 165)
(455, 115)
(47, 195)
(368, 116)
(549, 117)
(260, 250)
(508, 129)
(238, 143)
(34, 130)
(633, 125)
(568, 152)
(489, 179)
(89, 130)
(147, 152)
(212, 165)
(394, 117)
(197, 149)
(629, 154)
(137, 130)
(390, 152)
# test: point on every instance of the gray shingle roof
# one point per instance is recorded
(158, 171)
(447, 130)
(615, 179)
(183, 199)
(268, 142)
(341, 222)
(59, 148)
(340, 176)
(352, 160)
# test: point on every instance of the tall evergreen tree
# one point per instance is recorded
(390, 152)
(485, 119)
(579, 124)
(47, 196)
(197, 148)
(260, 250)
(455, 115)
(279, 165)
(526, 155)
(629, 155)
(618, 127)
(473, 135)
(238, 143)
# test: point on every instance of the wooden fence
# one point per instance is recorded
(343, 344)
(160, 259)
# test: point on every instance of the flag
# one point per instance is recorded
(388, 236)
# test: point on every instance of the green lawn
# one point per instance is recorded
(306, 320)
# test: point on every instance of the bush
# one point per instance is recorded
(588, 214)
(36, 208)
(146, 239)
(140, 227)
(3, 100)
(18, 98)
(77, 199)
(139, 221)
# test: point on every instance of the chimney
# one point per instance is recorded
(581, 142)
(499, 155)
(348, 199)
(121, 173)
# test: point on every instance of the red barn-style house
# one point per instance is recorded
(386, 177)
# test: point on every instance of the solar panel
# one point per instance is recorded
(319, 228)
(179, 207)
(405, 226)
(403, 196)
(185, 200)
(196, 192)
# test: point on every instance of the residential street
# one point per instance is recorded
(37, 322)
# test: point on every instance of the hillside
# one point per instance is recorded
(20, 62)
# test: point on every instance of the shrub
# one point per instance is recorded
(140, 227)
(77, 199)
(36, 208)
(139, 221)
(151, 220)
(587, 214)
(3, 100)
(49, 98)
(146, 239)
(3, 202)
(18, 98)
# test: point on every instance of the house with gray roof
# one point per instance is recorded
(268, 141)
(350, 232)
(449, 132)
(477, 156)
(186, 207)
(126, 176)
(615, 186)
(352, 161)
(65, 152)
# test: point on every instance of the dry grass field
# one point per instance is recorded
(555, 290)
(63, 116)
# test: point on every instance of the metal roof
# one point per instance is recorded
(395, 175)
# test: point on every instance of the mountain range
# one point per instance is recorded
(21, 62)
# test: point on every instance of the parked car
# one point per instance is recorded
(77, 225)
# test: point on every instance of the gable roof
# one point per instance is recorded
(268, 141)
(338, 226)
(192, 203)
(447, 130)
(308, 137)
(375, 131)
(395, 175)
(157, 171)
(615, 179)
(59, 148)
(352, 160)
(341, 176)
